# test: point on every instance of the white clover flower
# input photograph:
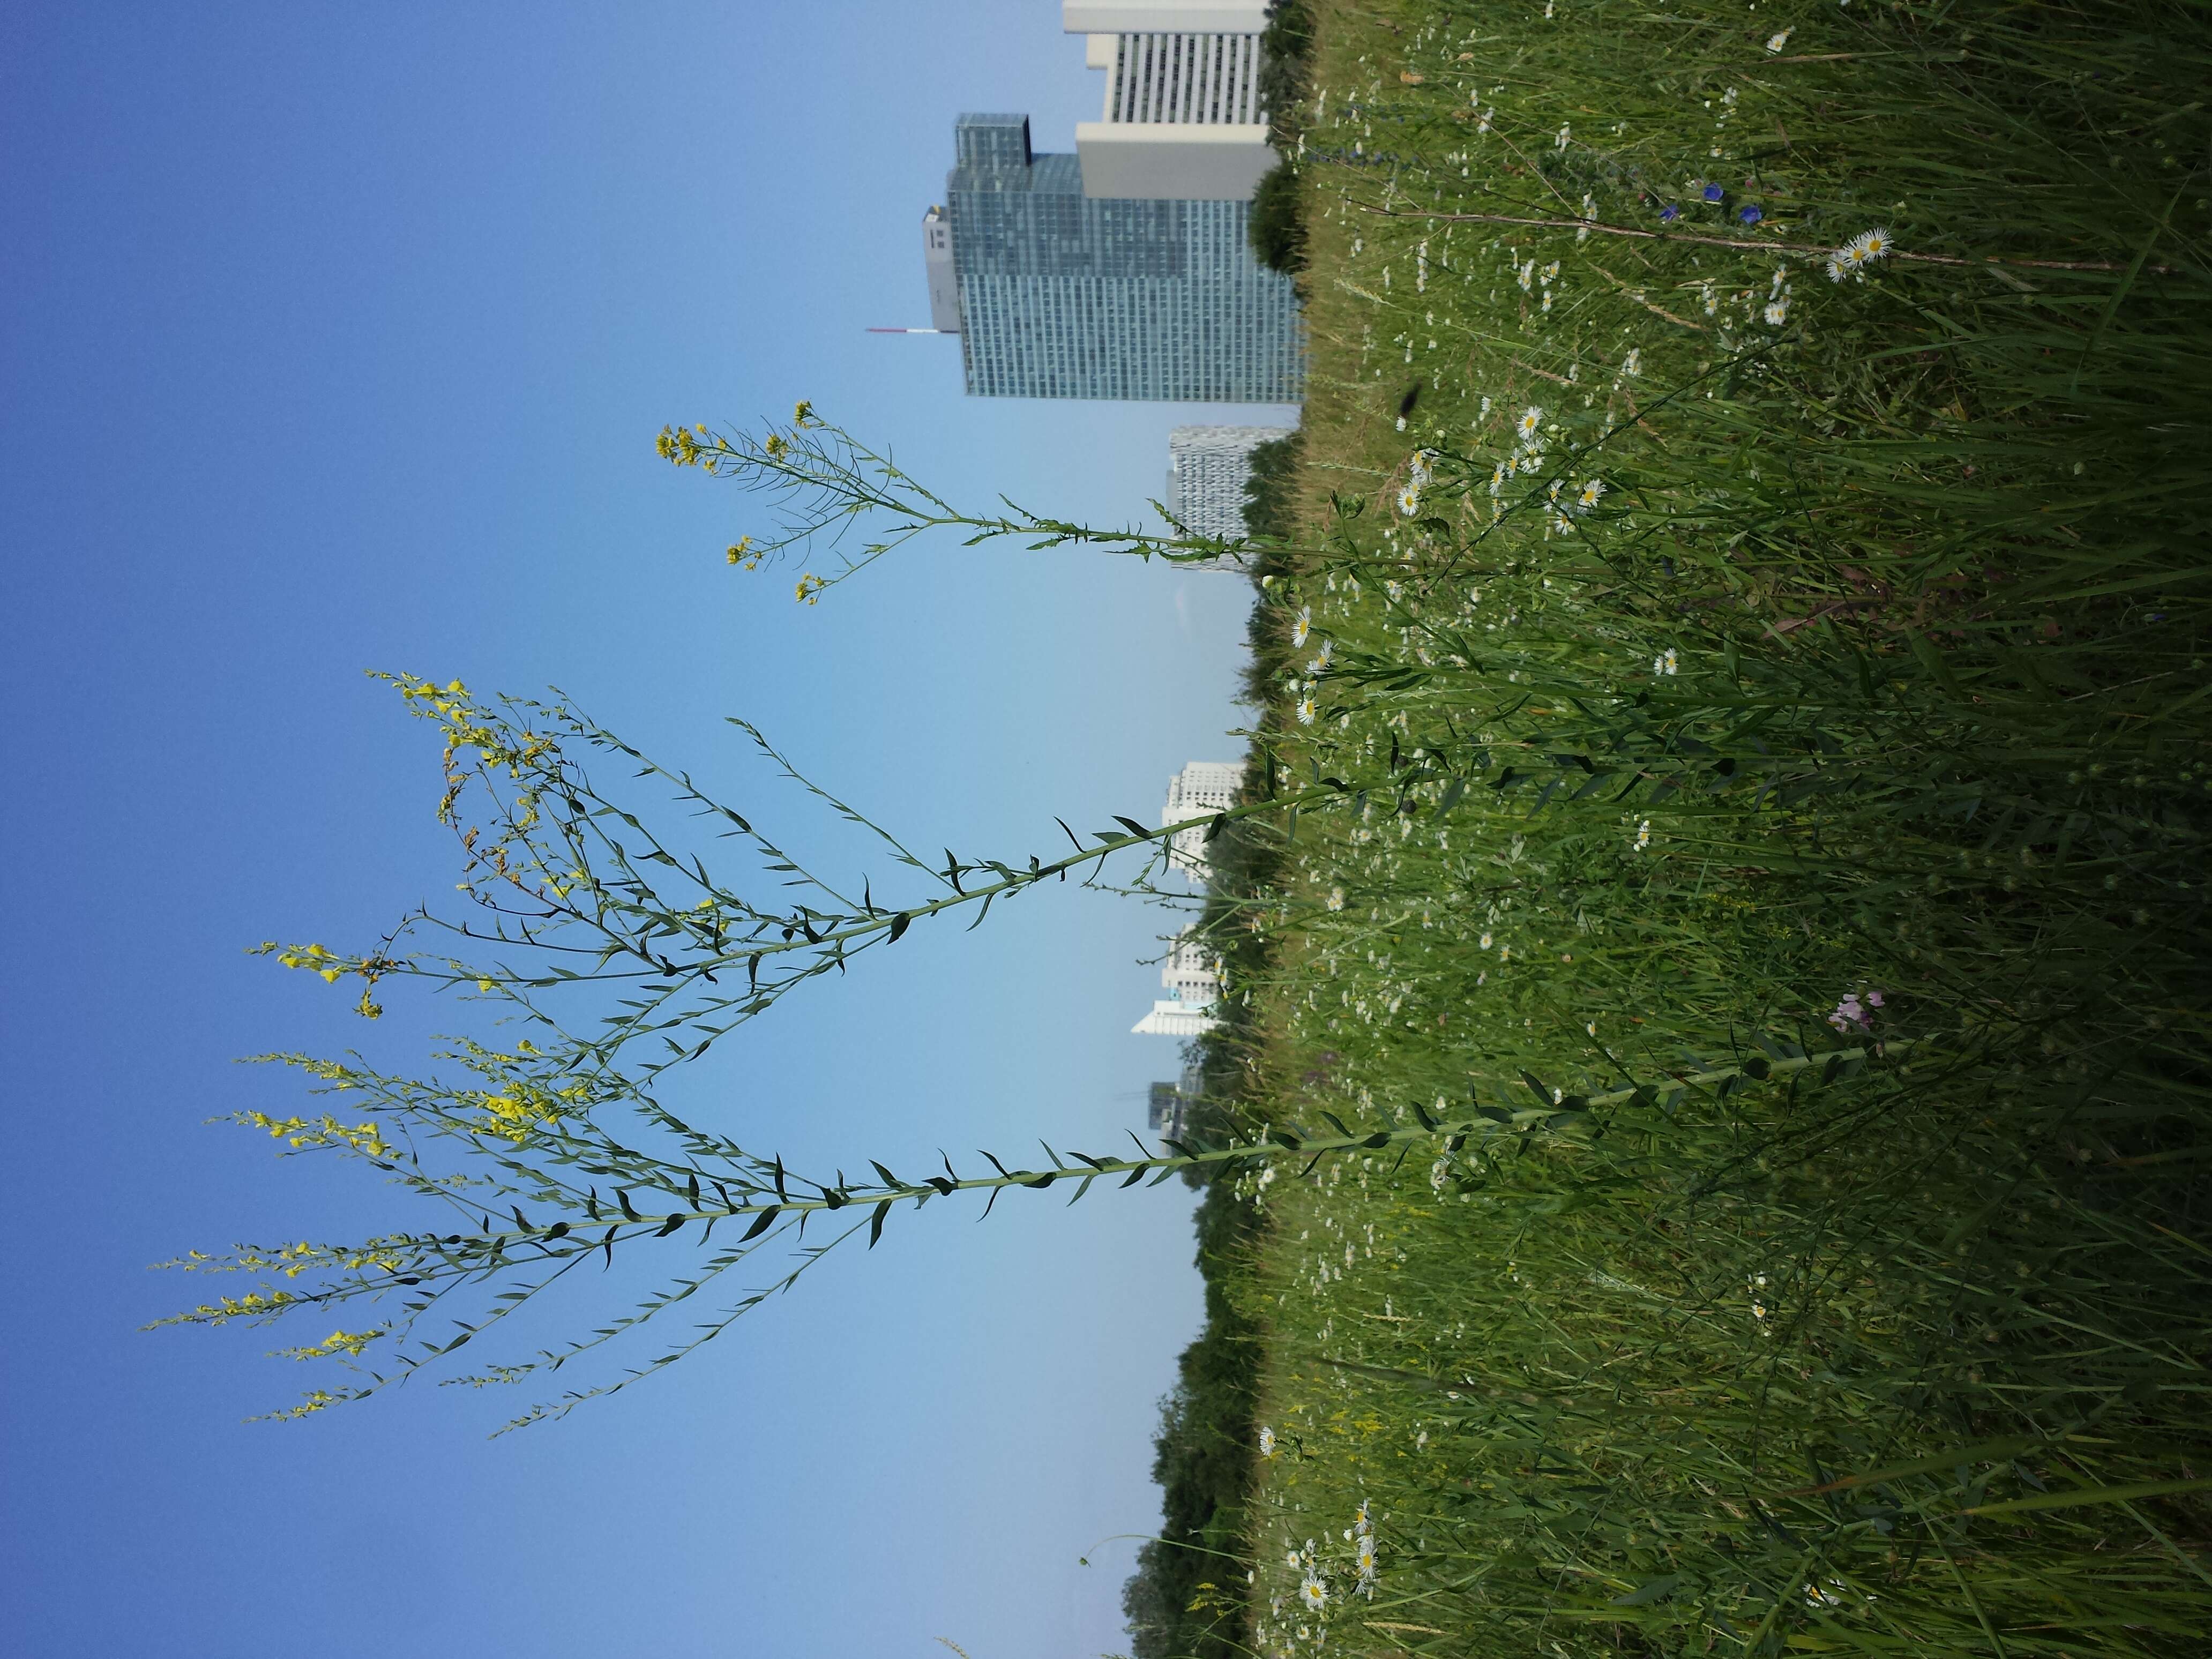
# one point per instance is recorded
(1409, 502)
(1775, 42)
(1308, 710)
(1302, 629)
(1267, 1441)
(1588, 496)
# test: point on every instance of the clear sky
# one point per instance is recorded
(335, 338)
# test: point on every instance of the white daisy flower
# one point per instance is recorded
(1409, 501)
(1775, 42)
(1551, 270)
(1670, 664)
(1531, 422)
(1267, 1441)
(1587, 497)
(1364, 1553)
(1633, 364)
(1643, 835)
(1308, 710)
(1313, 1595)
(1302, 629)
(1875, 243)
(1321, 662)
(1336, 898)
(1777, 312)
(1560, 142)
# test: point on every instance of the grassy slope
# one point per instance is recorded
(1926, 552)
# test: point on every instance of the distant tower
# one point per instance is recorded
(1200, 788)
(1193, 972)
(1209, 472)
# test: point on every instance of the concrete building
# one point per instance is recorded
(1063, 295)
(1209, 471)
(1182, 118)
(1200, 788)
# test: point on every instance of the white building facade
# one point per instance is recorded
(1200, 789)
(1193, 972)
(1209, 471)
(1182, 120)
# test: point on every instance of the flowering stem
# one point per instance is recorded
(1755, 245)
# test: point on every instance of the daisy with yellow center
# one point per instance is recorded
(1302, 629)
(1530, 424)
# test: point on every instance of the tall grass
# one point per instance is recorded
(1830, 664)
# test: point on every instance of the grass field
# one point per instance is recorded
(1773, 664)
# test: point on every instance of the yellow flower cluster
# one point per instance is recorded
(809, 586)
(349, 1343)
(360, 1138)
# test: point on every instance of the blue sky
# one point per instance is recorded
(336, 339)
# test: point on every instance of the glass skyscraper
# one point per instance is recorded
(1065, 295)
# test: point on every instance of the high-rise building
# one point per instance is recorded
(1209, 472)
(1183, 118)
(1200, 788)
(1065, 295)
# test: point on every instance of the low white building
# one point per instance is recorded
(1183, 119)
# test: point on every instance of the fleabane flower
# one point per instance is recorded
(1302, 629)
(1530, 424)
(1364, 1552)
(1313, 1595)
(1776, 312)
(1409, 501)
(1587, 497)
(1322, 660)
(1336, 898)
(1643, 835)
(1267, 1441)
(1775, 42)
(1308, 710)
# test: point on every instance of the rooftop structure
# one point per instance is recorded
(1209, 473)
(1061, 294)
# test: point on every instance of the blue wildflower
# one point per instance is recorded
(1751, 215)
(1713, 192)
(1668, 214)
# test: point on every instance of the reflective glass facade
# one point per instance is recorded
(1065, 295)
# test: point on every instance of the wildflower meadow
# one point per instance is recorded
(1704, 1148)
